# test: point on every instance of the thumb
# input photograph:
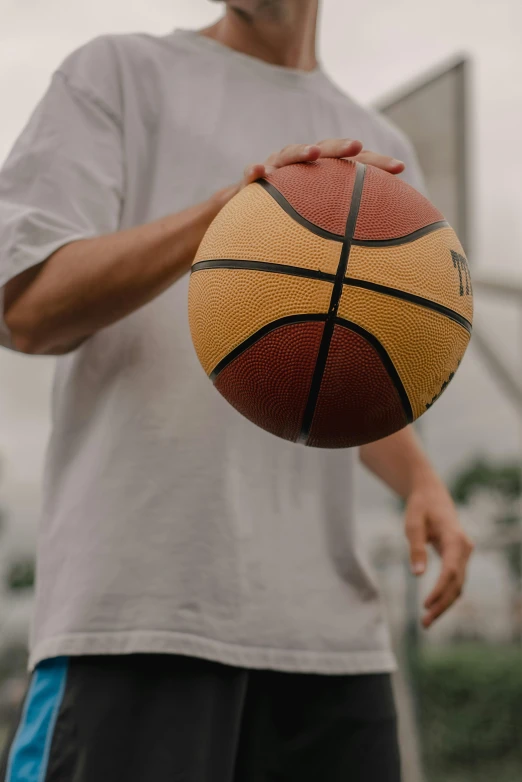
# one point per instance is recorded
(252, 173)
(416, 534)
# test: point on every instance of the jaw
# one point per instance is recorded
(267, 10)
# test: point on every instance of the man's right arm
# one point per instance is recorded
(92, 283)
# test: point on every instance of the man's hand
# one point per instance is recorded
(301, 153)
(431, 518)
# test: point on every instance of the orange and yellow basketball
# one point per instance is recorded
(331, 303)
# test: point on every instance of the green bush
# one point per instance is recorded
(470, 700)
(20, 576)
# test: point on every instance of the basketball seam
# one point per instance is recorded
(406, 239)
(354, 282)
(295, 215)
(386, 360)
(325, 234)
(259, 334)
(263, 266)
(322, 355)
(397, 293)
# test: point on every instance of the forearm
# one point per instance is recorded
(399, 461)
(90, 284)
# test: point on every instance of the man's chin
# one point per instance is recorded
(269, 9)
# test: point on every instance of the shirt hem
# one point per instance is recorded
(263, 658)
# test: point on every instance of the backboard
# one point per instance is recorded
(432, 112)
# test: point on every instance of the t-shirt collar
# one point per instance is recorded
(279, 73)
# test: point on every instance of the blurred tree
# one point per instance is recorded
(20, 575)
(13, 660)
(504, 479)
(21, 572)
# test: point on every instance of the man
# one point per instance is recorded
(202, 613)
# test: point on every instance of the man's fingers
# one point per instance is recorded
(416, 534)
(448, 588)
(335, 147)
(389, 164)
(451, 575)
(450, 596)
(295, 153)
(455, 556)
(252, 173)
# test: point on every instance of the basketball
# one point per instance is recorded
(330, 303)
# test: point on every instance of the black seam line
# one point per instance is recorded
(262, 332)
(412, 298)
(289, 209)
(428, 229)
(262, 266)
(322, 355)
(387, 363)
(291, 212)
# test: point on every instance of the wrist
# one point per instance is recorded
(187, 229)
(423, 476)
(202, 215)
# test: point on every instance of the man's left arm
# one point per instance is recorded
(431, 516)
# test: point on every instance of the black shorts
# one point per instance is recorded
(164, 718)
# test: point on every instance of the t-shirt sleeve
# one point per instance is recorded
(64, 178)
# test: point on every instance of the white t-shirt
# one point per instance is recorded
(170, 523)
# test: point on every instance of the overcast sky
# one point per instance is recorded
(370, 49)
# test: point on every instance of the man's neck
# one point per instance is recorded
(290, 43)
